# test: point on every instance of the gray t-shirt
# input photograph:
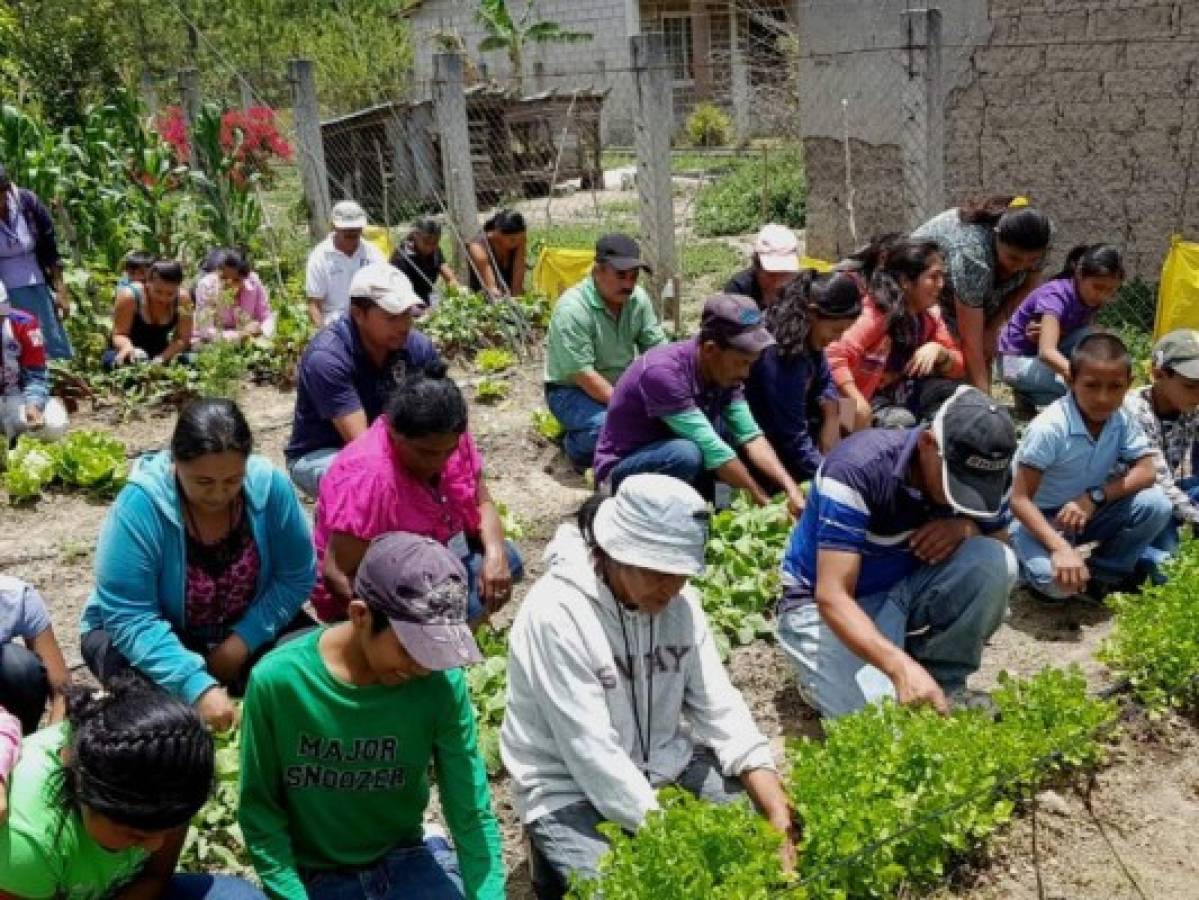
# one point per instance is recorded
(970, 264)
(22, 610)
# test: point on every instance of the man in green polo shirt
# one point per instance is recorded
(598, 328)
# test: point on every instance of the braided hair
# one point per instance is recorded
(135, 755)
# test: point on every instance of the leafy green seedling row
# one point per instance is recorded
(887, 802)
(1155, 643)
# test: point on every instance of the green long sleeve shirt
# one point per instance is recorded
(335, 775)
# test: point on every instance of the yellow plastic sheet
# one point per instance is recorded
(380, 237)
(811, 262)
(1178, 293)
(559, 268)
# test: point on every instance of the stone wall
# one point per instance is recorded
(1091, 107)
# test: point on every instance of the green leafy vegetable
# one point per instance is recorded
(489, 390)
(1155, 644)
(741, 582)
(488, 682)
(547, 426)
(494, 360)
(92, 461)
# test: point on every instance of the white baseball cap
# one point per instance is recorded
(388, 287)
(654, 522)
(348, 214)
(777, 248)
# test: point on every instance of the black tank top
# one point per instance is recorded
(147, 336)
(501, 268)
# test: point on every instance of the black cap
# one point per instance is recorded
(977, 441)
(620, 252)
(734, 321)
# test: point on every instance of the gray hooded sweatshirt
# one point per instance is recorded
(570, 732)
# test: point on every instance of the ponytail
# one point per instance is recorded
(1015, 222)
(1092, 261)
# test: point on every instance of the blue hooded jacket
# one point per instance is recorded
(141, 572)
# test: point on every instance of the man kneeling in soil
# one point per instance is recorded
(896, 575)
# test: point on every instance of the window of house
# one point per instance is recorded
(676, 27)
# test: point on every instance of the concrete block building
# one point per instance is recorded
(730, 52)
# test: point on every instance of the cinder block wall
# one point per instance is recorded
(1092, 108)
(599, 64)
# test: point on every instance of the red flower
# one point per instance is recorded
(172, 128)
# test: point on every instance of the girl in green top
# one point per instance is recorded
(99, 805)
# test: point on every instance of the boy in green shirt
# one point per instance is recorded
(339, 728)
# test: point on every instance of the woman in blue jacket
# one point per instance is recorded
(203, 563)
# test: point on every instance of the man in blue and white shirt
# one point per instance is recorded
(897, 573)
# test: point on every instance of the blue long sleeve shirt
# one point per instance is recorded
(784, 394)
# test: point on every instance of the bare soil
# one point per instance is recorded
(1147, 798)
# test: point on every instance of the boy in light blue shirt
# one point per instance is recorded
(1084, 496)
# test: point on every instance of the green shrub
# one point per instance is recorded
(733, 204)
(1155, 643)
(709, 126)
(464, 322)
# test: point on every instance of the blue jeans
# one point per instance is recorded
(187, 886)
(24, 689)
(677, 457)
(582, 418)
(566, 840)
(1035, 381)
(1123, 529)
(1166, 543)
(941, 615)
(307, 471)
(472, 561)
(426, 871)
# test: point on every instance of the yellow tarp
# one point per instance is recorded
(559, 268)
(380, 237)
(811, 262)
(1178, 293)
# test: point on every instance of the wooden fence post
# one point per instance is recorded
(653, 126)
(449, 110)
(310, 150)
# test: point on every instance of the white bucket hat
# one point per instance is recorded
(654, 522)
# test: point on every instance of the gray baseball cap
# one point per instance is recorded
(421, 587)
(1179, 352)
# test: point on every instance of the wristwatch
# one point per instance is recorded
(1098, 497)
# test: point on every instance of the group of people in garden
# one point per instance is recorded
(348, 633)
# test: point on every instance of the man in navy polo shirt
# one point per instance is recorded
(350, 369)
(897, 573)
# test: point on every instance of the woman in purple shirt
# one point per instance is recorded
(30, 267)
(1035, 345)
